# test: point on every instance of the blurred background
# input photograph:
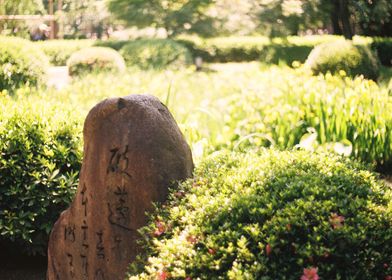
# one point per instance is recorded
(130, 18)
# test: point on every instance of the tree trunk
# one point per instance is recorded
(344, 16)
(336, 29)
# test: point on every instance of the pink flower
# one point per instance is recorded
(268, 249)
(191, 239)
(163, 275)
(336, 221)
(388, 277)
(310, 274)
(160, 228)
(179, 194)
(211, 251)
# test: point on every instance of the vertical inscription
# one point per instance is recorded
(100, 248)
(69, 233)
(84, 232)
(119, 213)
(119, 161)
(84, 199)
(117, 249)
(99, 275)
(84, 266)
(71, 265)
(84, 228)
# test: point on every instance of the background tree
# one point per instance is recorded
(289, 17)
(374, 17)
(343, 17)
(176, 16)
(18, 7)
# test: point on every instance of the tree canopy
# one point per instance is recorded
(274, 17)
(176, 16)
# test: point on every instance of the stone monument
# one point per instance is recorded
(133, 151)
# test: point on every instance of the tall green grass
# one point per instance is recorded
(241, 106)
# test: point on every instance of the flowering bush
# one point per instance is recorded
(272, 215)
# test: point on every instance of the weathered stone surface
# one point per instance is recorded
(133, 151)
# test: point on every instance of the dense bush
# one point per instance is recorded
(40, 150)
(21, 63)
(272, 215)
(383, 47)
(95, 59)
(344, 55)
(59, 51)
(156, 54)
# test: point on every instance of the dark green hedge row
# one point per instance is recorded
(39, 166)
(241, 49)
(229, 49)
(272, 215)
(285, 50)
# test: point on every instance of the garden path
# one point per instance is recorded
(58, 76)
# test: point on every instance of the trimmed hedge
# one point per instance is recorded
(59, 51)
(237, 49)
(40, 160)
(272, 215)
(21, 63)
(343, 55)
(156, 54)
(95, 59)
(274, 51)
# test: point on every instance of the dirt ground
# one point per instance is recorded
(22, 268)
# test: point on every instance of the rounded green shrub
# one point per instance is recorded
(156, 54)
(95, 59)
(343, 55)
(39, 166)
(21, 63)
(272, 215)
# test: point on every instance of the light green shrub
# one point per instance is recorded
(95, 59)
(343, 55)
